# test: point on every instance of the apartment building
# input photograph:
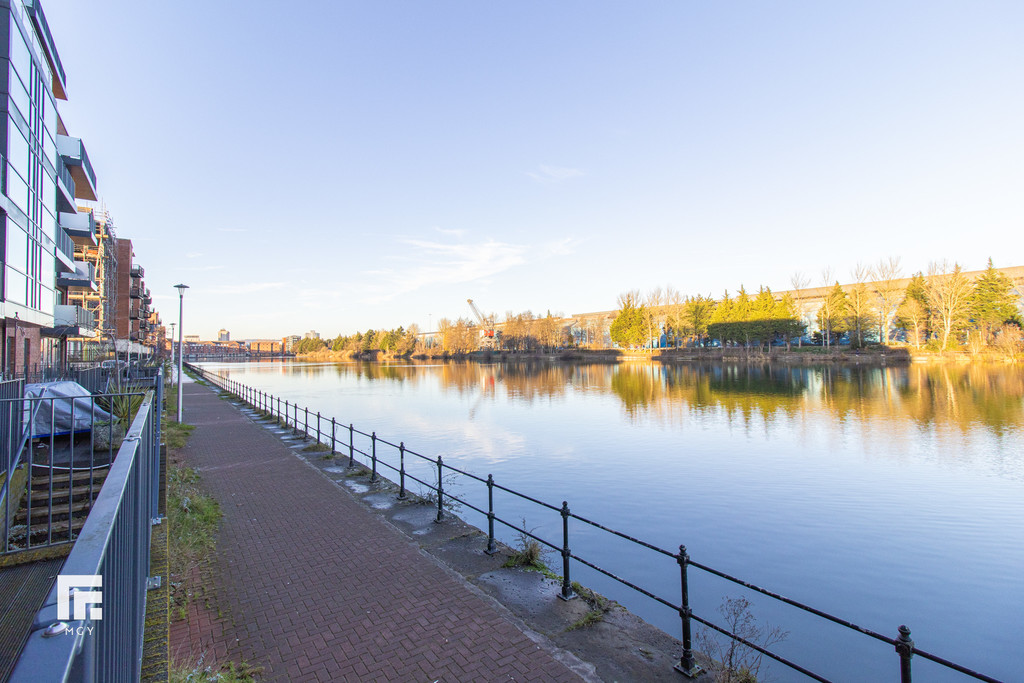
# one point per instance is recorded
(45, 170)
(132, 307)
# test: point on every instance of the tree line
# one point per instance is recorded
(940, 309)
(521, 332)
(399, 341)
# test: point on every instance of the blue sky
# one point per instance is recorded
(340, 166)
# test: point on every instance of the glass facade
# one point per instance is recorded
(30, 153)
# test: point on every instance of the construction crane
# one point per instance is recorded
(486, 323)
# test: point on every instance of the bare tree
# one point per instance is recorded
(859, 304)
(738, 663)
(799, 282)
(949, 293)
(825, 313)
(888, 294)
(653, 315)
(675, 304)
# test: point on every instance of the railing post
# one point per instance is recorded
(286, 413)
(351, 448)
(373, 456)
(905, 649)
(567, 593)
(491, 546)
(687, 664)
(305, 429)
(401, 471)
(440, 490)
(332, 436)
(318, 434)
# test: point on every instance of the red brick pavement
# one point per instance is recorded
(313, 587)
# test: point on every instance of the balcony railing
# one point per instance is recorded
(64, 244)
(135, 292)
(72, 152)
(138, 271)
(80, 224)
(67, 187)
(73, 316)
(84, 275)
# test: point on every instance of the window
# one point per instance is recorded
(21, 60)
(19, 95)
(17, 247)
(15, 286)
(17, 149)
(17, 190)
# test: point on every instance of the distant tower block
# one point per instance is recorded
(223, 335)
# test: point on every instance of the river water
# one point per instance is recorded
(883, 496)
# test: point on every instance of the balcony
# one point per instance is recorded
(138, 271)
(65, 251)
(76, 159)
(72, 321)
(59, 82)
(65, 188)
(84, 275)
(135, 292)
(135, 313)
(144, 325)
(81, 226)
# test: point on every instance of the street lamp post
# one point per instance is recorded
(172, 344)
(181, 328)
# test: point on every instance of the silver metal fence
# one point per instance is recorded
(113, 545)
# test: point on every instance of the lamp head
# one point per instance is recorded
(181, 289)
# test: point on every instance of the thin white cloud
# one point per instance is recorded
(562, 247)
(247, 288)
(554, 174)
(434, 263)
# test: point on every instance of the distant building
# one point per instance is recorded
(312, 334)
(289, 343)
(192, 338)
(131, 308)
(266, 346)
(223, 336)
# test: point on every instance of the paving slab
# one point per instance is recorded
(312, 586)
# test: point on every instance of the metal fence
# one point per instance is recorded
(114, 545)
(343, 438)
(59, 452)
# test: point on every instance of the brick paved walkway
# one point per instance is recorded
(313, 587)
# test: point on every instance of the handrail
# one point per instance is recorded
(114, 544)
(904, 647)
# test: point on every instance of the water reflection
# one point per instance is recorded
(927, 396)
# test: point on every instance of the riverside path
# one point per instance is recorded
(311, 586)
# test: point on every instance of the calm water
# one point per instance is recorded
(884, 496)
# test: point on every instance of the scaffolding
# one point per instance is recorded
(103, 302)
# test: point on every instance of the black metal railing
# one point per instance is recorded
(91, 375)
(114, 545)
(334, 434)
